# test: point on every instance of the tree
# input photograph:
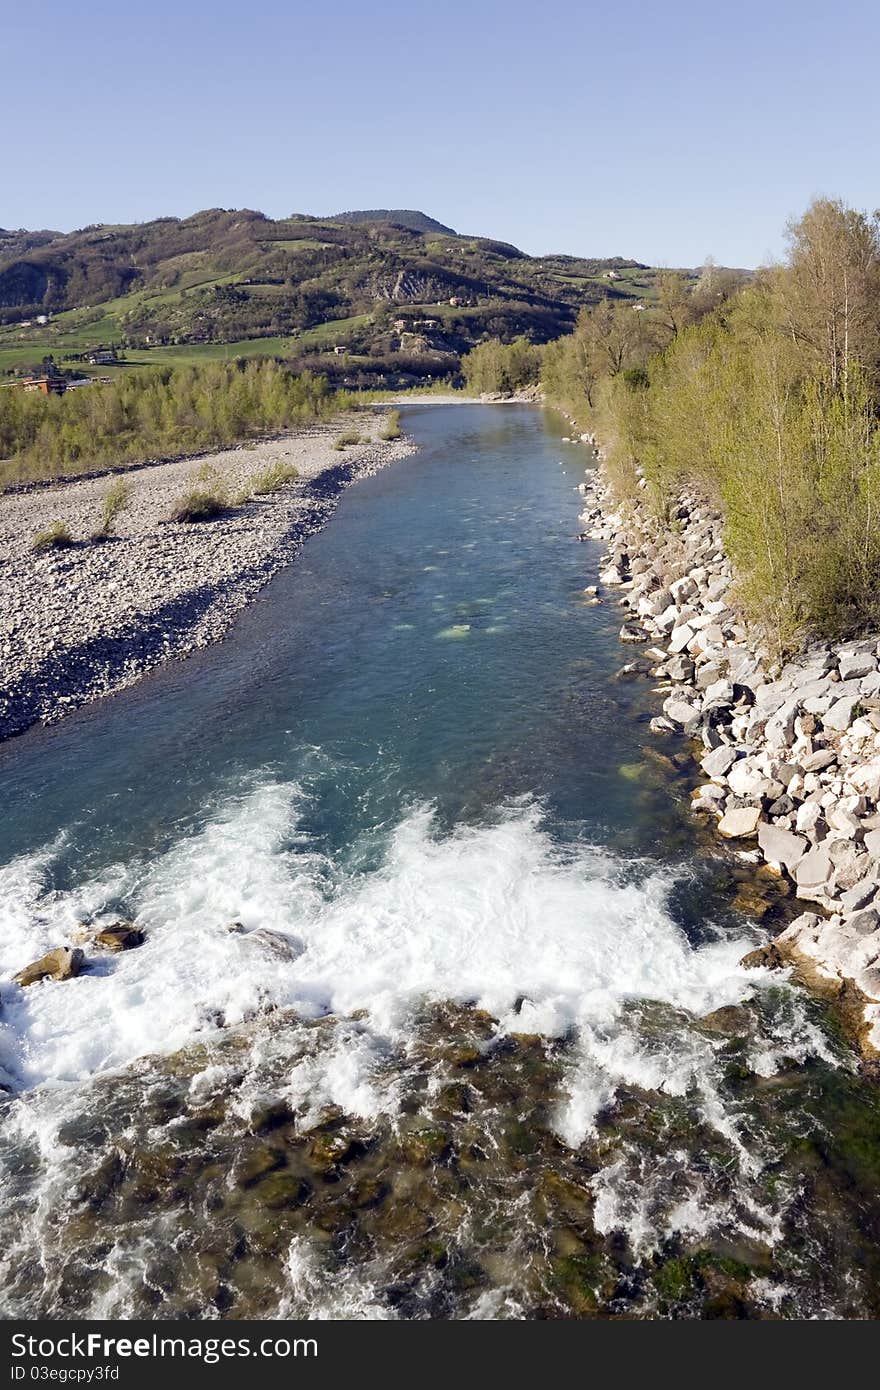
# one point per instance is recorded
(830, 294)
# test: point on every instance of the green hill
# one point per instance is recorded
(385, 297)
(395, 217)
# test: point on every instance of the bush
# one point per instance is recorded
(113, 504)
(271, 479)
(205, 498)
(391, 428)
(198, 504)
(342, 441)
(55, 537)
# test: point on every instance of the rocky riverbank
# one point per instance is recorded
(790, 756)
(90, 618)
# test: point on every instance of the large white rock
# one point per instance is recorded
(681, 636)
(856, 666)
(717, 763)
(815, 762)
(652, 605)
(680, 712)
(865, 777)
(841, 713)
(808, 813)
(666, 620)
(779, 732)
(814, 871)
(683, 588)
(744, 779)
(781, 847)
(843, 821)
(739, 823)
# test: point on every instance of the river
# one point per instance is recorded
(439, 1011)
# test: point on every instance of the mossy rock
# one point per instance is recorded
(332, 1149)
(676, 1280)
(423, 1146)
(368, 1193)
(280, 1190)
(256, 1165)
(578, 1280)
(454, 1099)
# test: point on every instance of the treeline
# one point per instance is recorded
(767, 398)
(770, 405)
(494, 366)
(172, 411)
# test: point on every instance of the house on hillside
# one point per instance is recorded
(102, 357)
(47, 385)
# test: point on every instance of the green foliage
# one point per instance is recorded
(55, 537)
(769, 401)
(391, 426)
(497, 367)
(771, 406)
(113, 503)
(140, 417)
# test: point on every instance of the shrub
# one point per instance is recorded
(113, 503)
(342, 441)
(205, 498)
(55, 537)
(391, 428)
(272, 478)
(198, 504)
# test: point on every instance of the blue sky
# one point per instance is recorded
(664, 131)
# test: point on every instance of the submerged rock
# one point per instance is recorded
(121, 936)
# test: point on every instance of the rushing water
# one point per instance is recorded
(479, 1044)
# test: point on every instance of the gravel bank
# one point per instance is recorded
(86, 621)
(790, 757)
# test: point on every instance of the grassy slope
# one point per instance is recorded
(270, 263)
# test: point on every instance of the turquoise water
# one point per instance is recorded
(411, 779)
(433, 644)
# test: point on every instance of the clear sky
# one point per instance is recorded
(665, 131)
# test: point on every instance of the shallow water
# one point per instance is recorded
(466, 1070)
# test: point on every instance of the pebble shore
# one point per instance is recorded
(790, 756)
(87, 620)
